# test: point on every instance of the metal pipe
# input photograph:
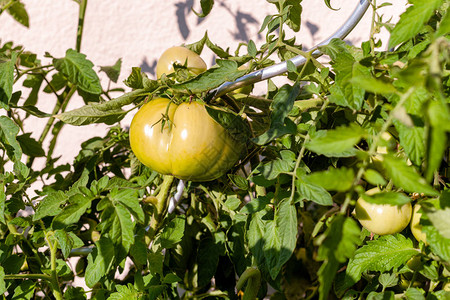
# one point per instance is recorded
(298, 61)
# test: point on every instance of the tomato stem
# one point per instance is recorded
(161, 204)
(251, 276)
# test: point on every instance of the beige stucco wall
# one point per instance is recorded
(139, 30)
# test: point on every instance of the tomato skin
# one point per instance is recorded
(179, 55)
(382, 219)
(195, 148)
(416, 228)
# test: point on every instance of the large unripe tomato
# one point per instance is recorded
(181, 56)
(416, 228)
(190, 146)
(382, 218)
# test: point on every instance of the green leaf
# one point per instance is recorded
(388, 280)
(155, 261)
(207, 6)
(413, 20)
(113, 71)
(19, 13)
(391, 198)
(412, 140)
(251, 48)
(24, 291)
(197, 47)
(327, 179)
(414, 294)
(106, 112)
(444, 26)
(283, 102)
(313, 192)
(225, 71)
(280, 237)
(117, 222)
(34, 82)
(30, 146)
(336, 142)
(256, 235)
(406, 177)
(373, 85)
(33, 110)
(8, 134)
(388, 295)
(79, 71)
(92, 113)
(125, 293)
(100, 261)
(439, 116)
(381, 255)
(374, 178)
(50, 205)
(294, 14)
(78, 204)
(135, 79)
(276, 131)
(257, 204)
(239, 181)
(219, 51)
(58, 82)
(208, 260)
(123, 228)
(234, 124)
(339, 242)
(130, 199)
(275, 167)
(139, 249)
(438, 244)
(7, 80)
(65, 242)
(343, 92)
(441, 220)
(172, 233)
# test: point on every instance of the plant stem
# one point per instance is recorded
(161, 205)
(251, 276)
(54, 277)
(7, 5)
(81, 15)
(29, 276)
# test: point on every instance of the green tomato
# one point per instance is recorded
(181, 56)
(382, 219)
(189, 145)
(415, 226)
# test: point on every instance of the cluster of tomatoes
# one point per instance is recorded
(182, 139)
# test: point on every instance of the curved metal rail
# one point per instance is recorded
(299, 60)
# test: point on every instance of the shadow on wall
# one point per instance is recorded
(147, 67)
(242, 20)
(184, 8)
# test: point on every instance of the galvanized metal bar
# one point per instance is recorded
(298, 61)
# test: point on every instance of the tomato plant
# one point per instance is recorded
(237, 196)
(182, 140)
